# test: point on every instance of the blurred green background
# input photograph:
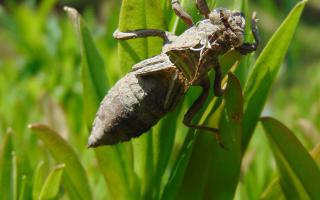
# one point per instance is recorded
(40, 81)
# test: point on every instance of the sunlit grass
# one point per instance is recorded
(51, 76)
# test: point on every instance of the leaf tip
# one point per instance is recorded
(73, 15)
(30, 126)
(302, 2)
(72, 12)
(60, 166)
(37, 126)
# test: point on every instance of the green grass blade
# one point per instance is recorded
(44, 9)
(114, 162)
(6, 166)
(273, 191)
(15, 176)
(117, 170)
(52, 184)
(315, 153)
(23, 188)
(63, 153)
(38, 180)
(265, 71)
(223, 181)
(293, 160)
(93, 75)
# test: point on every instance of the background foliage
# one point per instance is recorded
(54, 72)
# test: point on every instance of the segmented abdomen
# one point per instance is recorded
(132, 106)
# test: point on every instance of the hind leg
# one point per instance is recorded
(195, 107)
(218, 91)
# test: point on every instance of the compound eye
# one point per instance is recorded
(237, 21)
(239, 14)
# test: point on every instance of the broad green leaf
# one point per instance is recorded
(115, 162)
(171, 188)
(52, 184)
(38, 180)
(63, 153)
(146, 14)
(196, 175)
(274, 188)
(206, 151)
(227, 61)
(223, 181)
(265, 70)
(297, 168)
(6, 166)
(289, 182)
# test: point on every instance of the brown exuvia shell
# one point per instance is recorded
(141, 98)
(132, 106)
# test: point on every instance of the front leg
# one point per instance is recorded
(142, 33)
(218, 91)
(196, 106)
(203, 8)
(247, 47)
(181, 13)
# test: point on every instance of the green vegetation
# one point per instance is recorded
(54, 72)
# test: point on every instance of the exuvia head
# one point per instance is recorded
(231, 19)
